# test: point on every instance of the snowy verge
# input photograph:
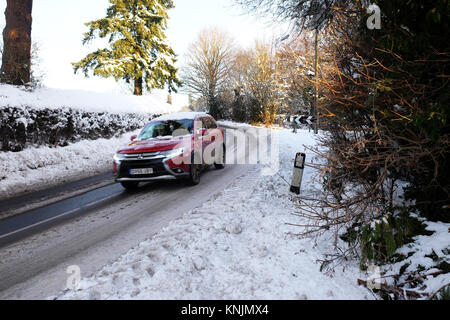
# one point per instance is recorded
(235, 246)
(233, 125)
(39, 168)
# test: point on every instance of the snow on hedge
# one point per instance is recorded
(87, 101)
(52, 117)
(22, 127)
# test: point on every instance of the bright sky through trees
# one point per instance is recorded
(58, 27)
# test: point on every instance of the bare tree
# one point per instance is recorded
(16, 62)
(255, 77)
(296, 74)
(262, 81)
(208, 64)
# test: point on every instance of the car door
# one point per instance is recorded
(214, 136)
(206, 137)
(199, 139)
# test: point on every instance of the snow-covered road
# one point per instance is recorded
(227, 238)
(235, 246)
(35, 267)
(99, 237)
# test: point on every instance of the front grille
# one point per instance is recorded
(142, 156)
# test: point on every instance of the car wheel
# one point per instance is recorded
(130, 185)
(223, 155)
(195, 171)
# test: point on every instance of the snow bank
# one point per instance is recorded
(84, 100)
(44, 167)
(236, 246)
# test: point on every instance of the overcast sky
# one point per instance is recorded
(58, 26)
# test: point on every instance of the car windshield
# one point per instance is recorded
(165, 129)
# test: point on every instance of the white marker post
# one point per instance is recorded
(297, 178)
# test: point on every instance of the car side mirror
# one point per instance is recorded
(133, 137)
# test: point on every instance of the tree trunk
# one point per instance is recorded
(138, 82)
(316, 80)
(16, 60)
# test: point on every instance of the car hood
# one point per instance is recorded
(154, 145)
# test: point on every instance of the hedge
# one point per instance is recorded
(21, 127)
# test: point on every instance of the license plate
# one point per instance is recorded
(138, 172)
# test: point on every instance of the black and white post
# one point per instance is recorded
(297, 177)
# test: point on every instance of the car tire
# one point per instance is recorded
(220, 166)
(130, 185)
(194, 173)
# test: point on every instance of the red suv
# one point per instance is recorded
(176, 146)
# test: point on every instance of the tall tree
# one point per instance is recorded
(296, 74)
(258, 78)
(16, 59)
(208, 66)
(138, 51)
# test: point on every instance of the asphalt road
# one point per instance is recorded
(27, 202)
(19, 226)
(92, 229)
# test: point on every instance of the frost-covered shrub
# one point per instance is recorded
(381, 237)
(444, 294)
(21, 127)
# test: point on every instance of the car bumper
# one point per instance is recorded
(144, 179)
(161, 167)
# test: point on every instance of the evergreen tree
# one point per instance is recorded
(138, 51)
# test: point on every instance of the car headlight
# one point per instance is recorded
(118, 157)
(173, 153)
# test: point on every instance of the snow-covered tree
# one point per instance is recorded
(256, 77)
(138, 51)
(296, 74)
